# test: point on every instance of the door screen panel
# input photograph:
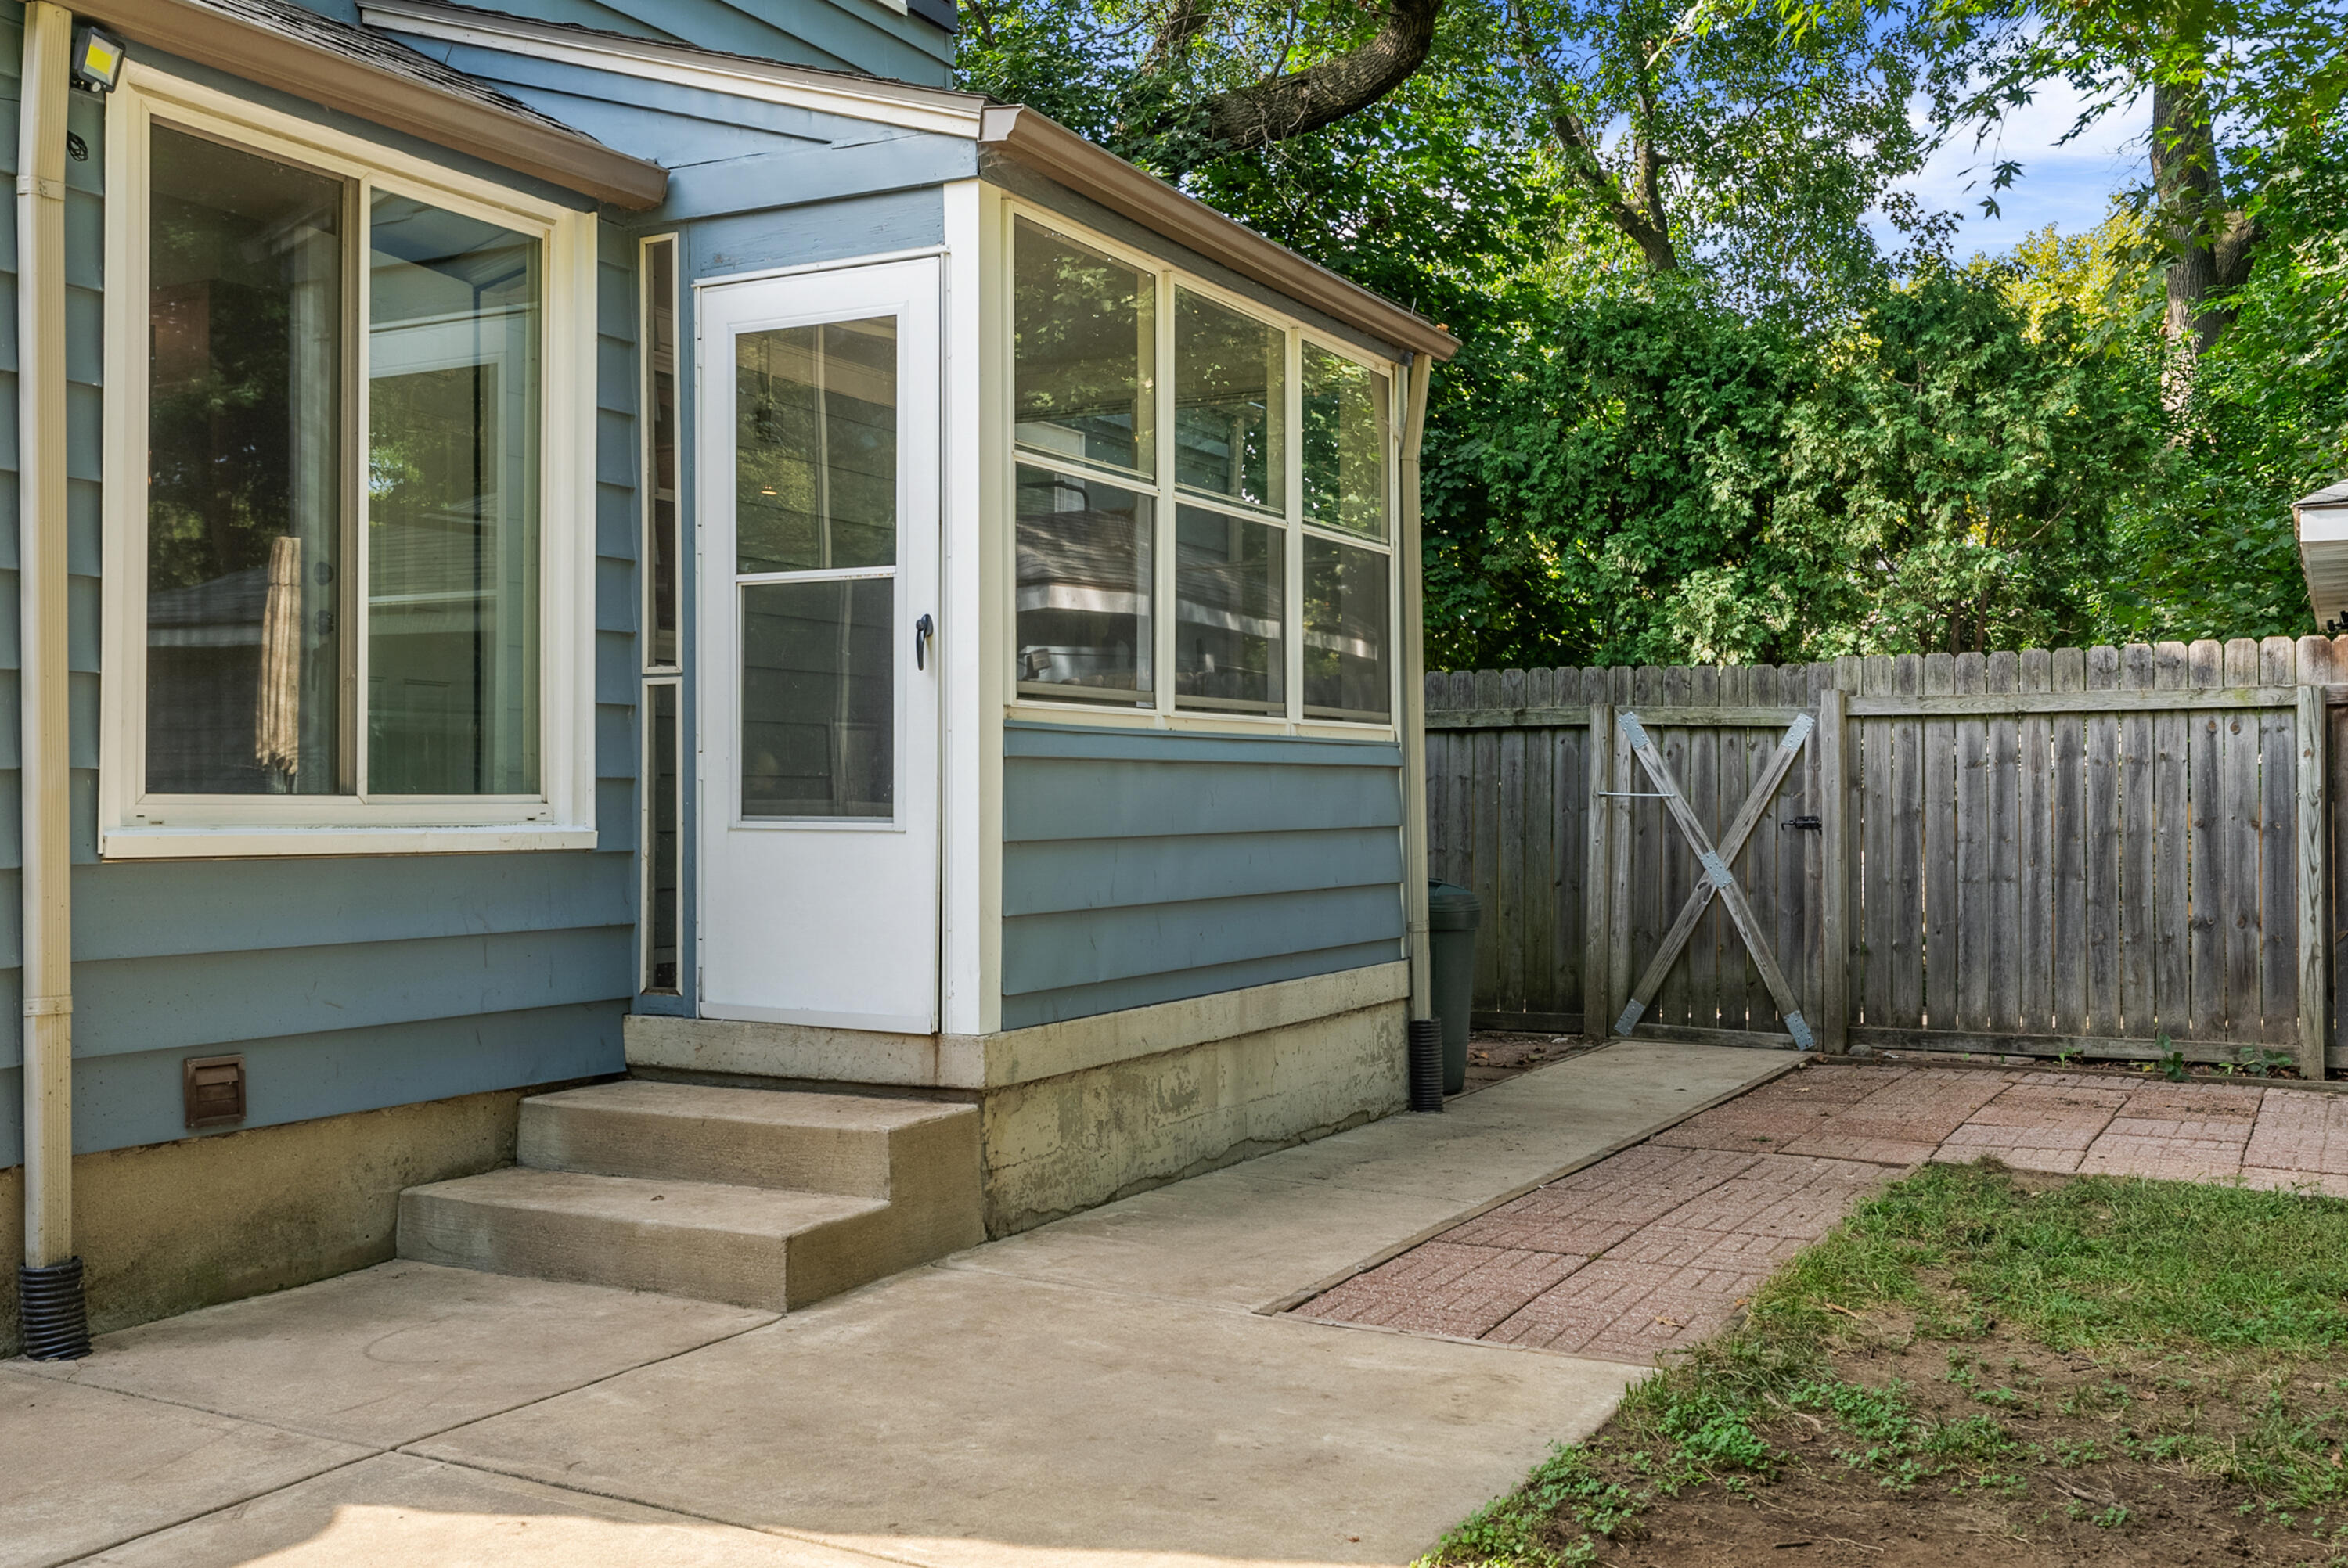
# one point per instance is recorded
(818, 698)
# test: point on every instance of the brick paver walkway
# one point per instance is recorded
(1657, 1246)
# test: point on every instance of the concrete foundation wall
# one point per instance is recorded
(1059, 1144)
(173, 1226)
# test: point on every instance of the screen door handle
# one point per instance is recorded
(923, 630)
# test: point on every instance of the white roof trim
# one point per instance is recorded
(937, 111)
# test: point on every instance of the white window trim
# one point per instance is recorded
(130, 824)
(1162, 712)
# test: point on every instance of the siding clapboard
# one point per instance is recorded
(1140, 866)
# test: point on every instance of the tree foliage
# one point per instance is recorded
(1699, 413)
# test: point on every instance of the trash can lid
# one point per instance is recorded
(1451, 907)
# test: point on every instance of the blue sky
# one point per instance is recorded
(2067, 186)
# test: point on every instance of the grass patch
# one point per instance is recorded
(2058, 1344)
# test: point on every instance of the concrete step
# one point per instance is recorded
(751, 1246)
(756, 1197)
(855, 1144)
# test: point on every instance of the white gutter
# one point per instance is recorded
(54, 1320)
(1409, 557)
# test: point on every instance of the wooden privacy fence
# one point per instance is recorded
(2086, 851)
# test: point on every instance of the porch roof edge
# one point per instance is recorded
(510, 136)
(1050, 148)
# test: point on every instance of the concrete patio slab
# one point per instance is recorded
(398, 1351)
(1233, 1238)
(396, 1510)
(82, 1469)
(956, 1416)
(1100, 1392)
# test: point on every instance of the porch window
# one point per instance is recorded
(1275, 601)
(328, 498)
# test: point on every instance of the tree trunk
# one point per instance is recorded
(2209, 241)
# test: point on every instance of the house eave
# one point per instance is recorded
(518, 142)
(2320, 524)
(905, 105)
(1050, 149)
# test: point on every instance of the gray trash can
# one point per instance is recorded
(1452, 915)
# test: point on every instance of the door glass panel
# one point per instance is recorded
(1085, 569)
(452, 504)
(814, 466)
(818, 690)
(244, 528)
(1229, 586)
(663, 846)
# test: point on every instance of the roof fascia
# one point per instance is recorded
(937, 111)
(1062, 156)
(294, 66)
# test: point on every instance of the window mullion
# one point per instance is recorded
(1163, 630)
(357, 466)
(1291, 647)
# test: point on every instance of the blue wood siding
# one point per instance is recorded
(1141, 867)
(348, 984)
(837, 34)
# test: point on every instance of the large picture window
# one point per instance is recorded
(332, 602)
(1254, 565)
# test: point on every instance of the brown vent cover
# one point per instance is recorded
(213, 1087)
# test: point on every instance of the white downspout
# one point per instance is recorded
(1419, 372)
(54, 1322)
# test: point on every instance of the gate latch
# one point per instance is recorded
(1804, 824)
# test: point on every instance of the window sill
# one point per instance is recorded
(247, 843)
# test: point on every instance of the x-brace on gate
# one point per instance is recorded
(1717, 879)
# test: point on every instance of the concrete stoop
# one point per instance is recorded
(755, 1197)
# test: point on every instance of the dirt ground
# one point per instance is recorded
(2095, 1492)
(1497, 1056)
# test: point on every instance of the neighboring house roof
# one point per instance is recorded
(2324, 499)
(363, 72)
(1023, 135)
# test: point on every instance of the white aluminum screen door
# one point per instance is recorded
(819, 676)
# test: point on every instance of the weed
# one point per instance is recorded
(2172, 1061)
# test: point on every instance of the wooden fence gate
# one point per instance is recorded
(2111, 852)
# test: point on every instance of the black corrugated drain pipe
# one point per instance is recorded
(56, 1316)
(1425, 1036)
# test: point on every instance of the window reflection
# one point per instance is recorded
(815, 477)
(453, 515)
(1083, 587)
(244, 524)
(1084, 351)
(1345, 445)
(818, 698)
(1231, 373)
(1346, 600)
(1230, 599)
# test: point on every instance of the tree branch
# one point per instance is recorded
(1295, 102)
(1644, 221)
